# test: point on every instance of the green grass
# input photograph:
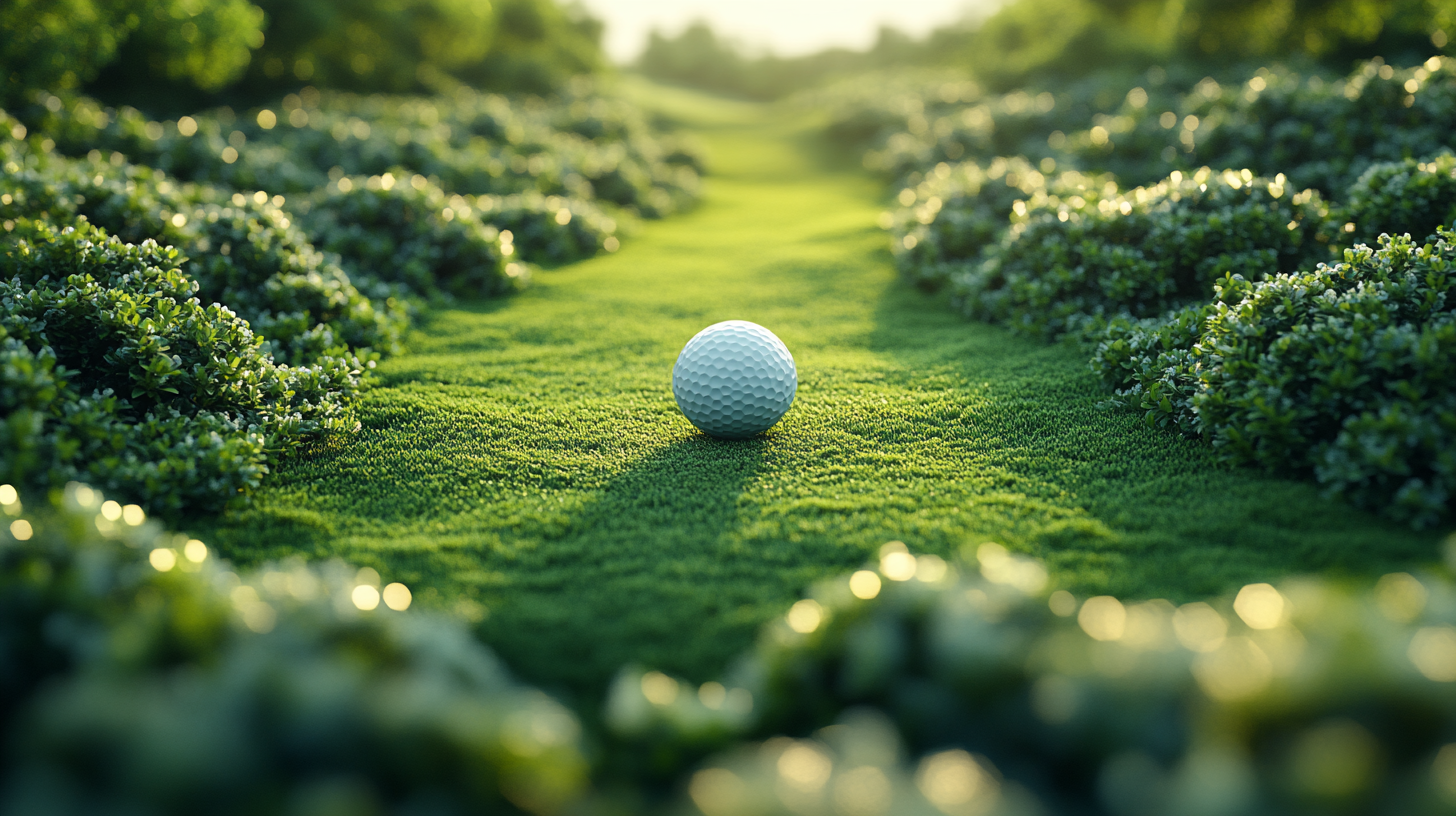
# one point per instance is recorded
(525, 464)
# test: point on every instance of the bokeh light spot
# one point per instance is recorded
(365, 597)
(659, 689)
(1103, 618)
(805, 616)
(397, 597)
(1260, 606)
(864, 585)
(163, 559)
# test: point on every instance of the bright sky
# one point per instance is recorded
(788, 27)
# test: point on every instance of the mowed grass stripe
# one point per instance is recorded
(525, 463)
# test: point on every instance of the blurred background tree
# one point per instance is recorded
(1030, 41)
(60, 45)
(700, 58)
(185, 53)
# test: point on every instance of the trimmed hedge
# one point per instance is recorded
(959, 211)
(243, 250)
(1321, 131)
(406, 233)
(1066, 267)
(115, 373)
(581, 146)
(142, 675)
(1346, 372)
(1397, 198)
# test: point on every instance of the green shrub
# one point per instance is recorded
(1344, 372)
(244, 251)
(143, 675)
(1398, 198)
(468, 143)
(856, 762)
(407, 233)
(910, 122)
(1321, 132)
(116, 374)
(548, 229)
(1063, 268)
(960, 210)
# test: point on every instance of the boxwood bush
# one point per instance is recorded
(548, 229)
(1346, 372)
(1397, 198)
(908, 122)
(1320, 131)
(958, 211)
(143, 675)
(243, 250)
(115, 373)
(406, 232)
(1064, 268)
(581, 146)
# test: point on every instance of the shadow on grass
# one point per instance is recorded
(1166, 517)
(653, 538)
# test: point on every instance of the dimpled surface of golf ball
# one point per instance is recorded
(734, 379)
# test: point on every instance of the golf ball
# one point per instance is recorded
(734, 379)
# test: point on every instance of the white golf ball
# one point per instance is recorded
(734, 379)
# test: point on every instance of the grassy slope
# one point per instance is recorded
(525, 462)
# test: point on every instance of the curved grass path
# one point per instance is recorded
(525, 465)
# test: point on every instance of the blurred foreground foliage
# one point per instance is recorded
(922, 686)
(143, 674)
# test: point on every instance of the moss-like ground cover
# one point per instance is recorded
(526, 465)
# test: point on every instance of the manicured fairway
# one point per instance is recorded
(524, 463)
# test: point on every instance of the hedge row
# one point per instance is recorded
(582, 146)
(1138, 271)
(1022, 244)
(913, 686)
(244, 250)
(391, 203)
(112, 371)
(1346, 372)
(1073, 265)
(960, 210)
(1321, 132)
